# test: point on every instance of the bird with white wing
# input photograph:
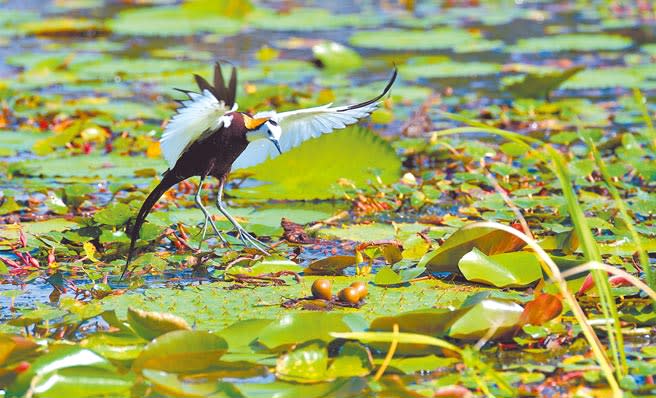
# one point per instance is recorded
(209, 137)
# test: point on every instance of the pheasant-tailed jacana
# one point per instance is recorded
(208, 137)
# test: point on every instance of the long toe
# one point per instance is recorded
(248, 240)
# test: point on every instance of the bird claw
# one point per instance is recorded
(204, 231)
(249, 240)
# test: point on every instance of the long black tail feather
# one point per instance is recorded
(167, 182)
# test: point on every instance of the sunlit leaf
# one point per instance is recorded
(149, 325)
(514, 269)
(487, 240)
(368, 156)
(182, 351)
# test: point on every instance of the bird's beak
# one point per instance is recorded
(277, 144)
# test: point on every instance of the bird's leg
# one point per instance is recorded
(242, 234)
(208, 217)
(202, 232)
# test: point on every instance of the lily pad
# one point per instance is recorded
(324, 161)
(448, 69)
(299, 327)
(571, 42)
(308, 19)
(400, 39)
(153, 324)
(156, 21)
(488, 240)
(516, 269)
(182, 351)
(88, 166)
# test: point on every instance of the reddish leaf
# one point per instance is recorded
(541, 309)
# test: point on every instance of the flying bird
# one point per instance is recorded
(209, 137)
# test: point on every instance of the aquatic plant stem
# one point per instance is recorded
(591, 252)
(649, 124)
(390, 353)
(624, 213)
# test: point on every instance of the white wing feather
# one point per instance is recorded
(201, 113)
(299, 126)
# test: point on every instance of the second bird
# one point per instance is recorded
(208, 137)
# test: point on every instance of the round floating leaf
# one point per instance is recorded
(172, 385)
(353, 359)
(488, 240)
(119, 347)
(240, 335)
(571, 42)
(182, 351)
(157, 21)
(514, 269)
(308, 19)
(354, 153)
(115, 214)
(486, 315)
(306, 363)
(153, 324)
(58, 358)
(606, 78)
(88, 166)
(61, 26)
(431, 322)
(300, 327)
(448, 69)
(399, 39)
(82, 382)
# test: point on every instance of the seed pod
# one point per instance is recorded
(361, 288)
(322, 289)
(349, 295)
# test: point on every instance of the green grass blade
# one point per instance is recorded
(624, 213)
(591, 252)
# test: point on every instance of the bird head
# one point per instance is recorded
(263, 128)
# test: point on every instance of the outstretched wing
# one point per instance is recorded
(301, 125)
(200, 115)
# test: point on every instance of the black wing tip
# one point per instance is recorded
(387, 89)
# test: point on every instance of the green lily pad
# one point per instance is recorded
(59, 358)
(115, 214)
(154, 324)
(399, 39)
(306, 363)
(571, 42)
(488, 240)
(61, 26)
(82, 382)
(300, 327)
(88, 166)
(489, 318)
(516, 269)
(323, 161)
(182, 351)
(156, 21)
(308, 19)
(448, 69)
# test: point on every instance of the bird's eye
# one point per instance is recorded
(273, 122)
